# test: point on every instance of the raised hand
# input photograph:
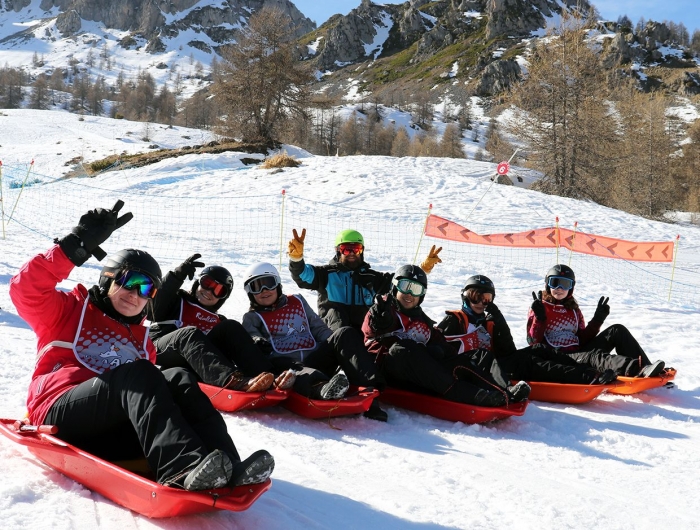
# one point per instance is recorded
(382, 315)
(492, 309)
(432, 259)
(189, 267)
(538, 307)
(602, 311)
(295, 248)
(93, 229)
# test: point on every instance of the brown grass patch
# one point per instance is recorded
(280, 160)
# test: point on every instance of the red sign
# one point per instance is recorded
(503, 168)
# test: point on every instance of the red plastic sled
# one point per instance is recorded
(357, 401)
(566, 392)
(449, 410)
(124, 487)
(632, 385)
(232, 400)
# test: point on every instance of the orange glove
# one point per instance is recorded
(295, 249)
(431, 260)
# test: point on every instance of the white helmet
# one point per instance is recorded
(259, 277)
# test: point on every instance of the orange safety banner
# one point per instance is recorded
(606, 247)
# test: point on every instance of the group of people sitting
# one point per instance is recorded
(119, 390)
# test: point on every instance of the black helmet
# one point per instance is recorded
(561, 271)
(410, 272)
(481, 284)
(133, 260)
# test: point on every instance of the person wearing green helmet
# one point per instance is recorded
(348, 284)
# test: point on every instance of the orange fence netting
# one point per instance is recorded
(553, 237)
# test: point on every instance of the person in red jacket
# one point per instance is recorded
(95, 377)
(556, 323)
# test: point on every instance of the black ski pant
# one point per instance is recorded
(345, 350)
(214, 357)
(630, 358)
(408, 364)
(552, 367)
(136, 406)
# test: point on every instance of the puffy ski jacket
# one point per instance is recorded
(57, 318)
(168, 308)
(381, 333)
(344, 295)
(456, 323)
(562, 326)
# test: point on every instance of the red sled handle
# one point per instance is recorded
(25, 428)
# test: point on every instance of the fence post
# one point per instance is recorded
(430, 207)
(284, 196)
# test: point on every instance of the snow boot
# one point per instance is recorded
(336, 388)
(253, 470)
(286, 380)
(608, 376)
(258, 383)
(652, 370)
(519, 392)
(490, 398)
(375, 413)
(214, 471)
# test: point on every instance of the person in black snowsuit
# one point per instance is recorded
(348, 285)
(95, 377)
(413, 354)
(480, 324)
(189, 332)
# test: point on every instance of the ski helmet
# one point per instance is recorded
(133, 260)
(410, 272)
(260, 271)
(561, 271)
(349, 236)
(479, 282)
(220, 275)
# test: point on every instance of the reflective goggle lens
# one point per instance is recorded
(264, 283)
(350, 248)
(482, 298)
(210, 284)
(131, 280)
(559, 282)
(409, 287)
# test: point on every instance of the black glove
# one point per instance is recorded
(263, 345)
(381, 314)
(188, 267)
(538, 307)
(492, 310)
(602, 311)
(93, 229)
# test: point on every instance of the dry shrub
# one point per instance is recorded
(280, 160)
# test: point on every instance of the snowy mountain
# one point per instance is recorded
(618, 462)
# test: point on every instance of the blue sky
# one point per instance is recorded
(686, 11)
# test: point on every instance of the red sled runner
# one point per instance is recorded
(449, 410)
(124, 487)
(569, 393)
(632, 385)
(356, 401)
(227, 400)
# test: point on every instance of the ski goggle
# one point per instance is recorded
(481, 298)
(350, 248)
(406, 286)
(219, 290)
(263, 283)
(130, 280)
(559, 282)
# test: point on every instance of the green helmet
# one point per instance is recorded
(349, 236)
